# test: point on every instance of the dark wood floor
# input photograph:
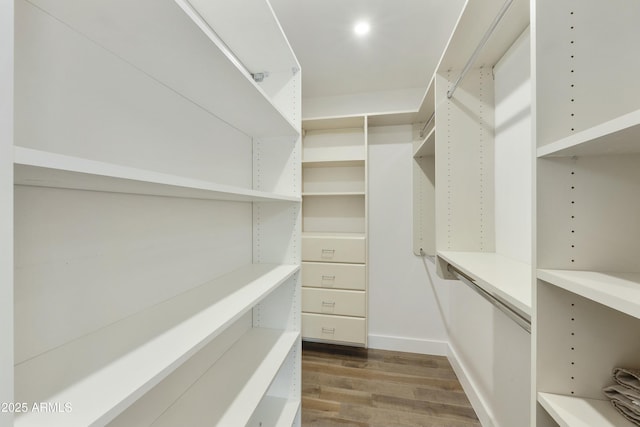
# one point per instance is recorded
(354, 387)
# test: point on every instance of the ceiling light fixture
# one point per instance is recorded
(361, 28)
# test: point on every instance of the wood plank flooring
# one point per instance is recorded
(355, 387)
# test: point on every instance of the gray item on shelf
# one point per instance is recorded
(628, 378)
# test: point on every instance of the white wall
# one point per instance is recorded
(6, 206)
(406, 297)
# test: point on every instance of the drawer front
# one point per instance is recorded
(324, 249)
(329, 301)
(329, 275)
(333, 328)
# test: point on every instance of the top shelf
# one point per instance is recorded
(472, 24)
(179, 48)
(617, 136)
(500, 276)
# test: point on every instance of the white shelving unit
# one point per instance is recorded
(334, 241)
(484, 193)
(587, 294)
(158, 214)
(424, 171)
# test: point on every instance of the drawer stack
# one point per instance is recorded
(334, 239)
(334, 302)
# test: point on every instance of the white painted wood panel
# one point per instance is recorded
(334, 247)
(570, 411)
(237, 382)
(514, 152)
(580, 342)
(504, 277)
(6, 207)
(333, 144)
(334, 275)
(587, 211)
(42, 169)
(334, 328)
(90, 104)
(274, 411)
(334, 301)
(192, 49)
(582, 61)
(336, 213)
(335, 179)
(126, 359)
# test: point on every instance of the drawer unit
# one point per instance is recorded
(335, 276)
(333, 248)
(334, 328)
(329, 301)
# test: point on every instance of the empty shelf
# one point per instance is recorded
(193, 60)
(122, 361)
(236, 382)
(44, 169)
(570, 411)
(427, 146)
(620, 291)
(620, 135)
(503, 277)
(332, 163)
(337, 193)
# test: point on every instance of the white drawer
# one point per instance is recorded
(333, 328)
(330, 275)
(332, 248)
(329, 301)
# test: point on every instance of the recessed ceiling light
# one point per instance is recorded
(361, 28)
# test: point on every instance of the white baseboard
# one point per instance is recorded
(409, 345)
(468, 385)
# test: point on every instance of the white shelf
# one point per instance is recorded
(331, 194)
(500, 276)
(193, 60)
(333, 122)
(620, 291)
(238, 381)
(428, 145)
(472, 25)
(333, 163)
(617, 136)
(122, 361)
(570, 411)
(275, 412)
(43, 169)
(331, 235)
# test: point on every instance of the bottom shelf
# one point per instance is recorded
(237, 382)
(570, 411)
(275, 412)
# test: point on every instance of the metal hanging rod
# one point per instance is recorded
(506, 308)
(476, 52)
(426, 125)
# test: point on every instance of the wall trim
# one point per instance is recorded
(407, 344)
(478, 402)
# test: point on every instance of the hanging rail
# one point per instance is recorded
(506, 308)
(476, 52)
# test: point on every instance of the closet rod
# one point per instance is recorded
(426, 125)
(506, 308)
(476, 52)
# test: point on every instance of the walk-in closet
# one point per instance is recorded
(284, 213)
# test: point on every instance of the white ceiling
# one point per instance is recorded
(402, 50)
